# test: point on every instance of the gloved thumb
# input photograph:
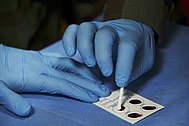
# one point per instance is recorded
(14, 102)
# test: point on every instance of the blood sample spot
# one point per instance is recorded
(135, 101)
(149, 107)
(122, 108)
(134, 115)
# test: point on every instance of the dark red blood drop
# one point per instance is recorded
(135, 101)
(149, 107)
(134, 115)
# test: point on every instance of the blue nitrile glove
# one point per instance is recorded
(95, 41)
(32, 71)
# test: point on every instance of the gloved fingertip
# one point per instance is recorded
(106, 71)
(15, 103)
(90, 62)
(70, 51)
(25, 111)
(121, 85)
(121, 81)
(105, 90)
(94, 98)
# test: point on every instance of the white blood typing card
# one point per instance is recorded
(134, 107)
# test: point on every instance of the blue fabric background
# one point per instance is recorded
(167, 84)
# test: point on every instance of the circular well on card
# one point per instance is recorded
(135, 101)
(134, 115)
(149, 107)
(124, 109)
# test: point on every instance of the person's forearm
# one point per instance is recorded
(151, 12)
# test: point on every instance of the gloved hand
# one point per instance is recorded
(95, 41)
(32, 71)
